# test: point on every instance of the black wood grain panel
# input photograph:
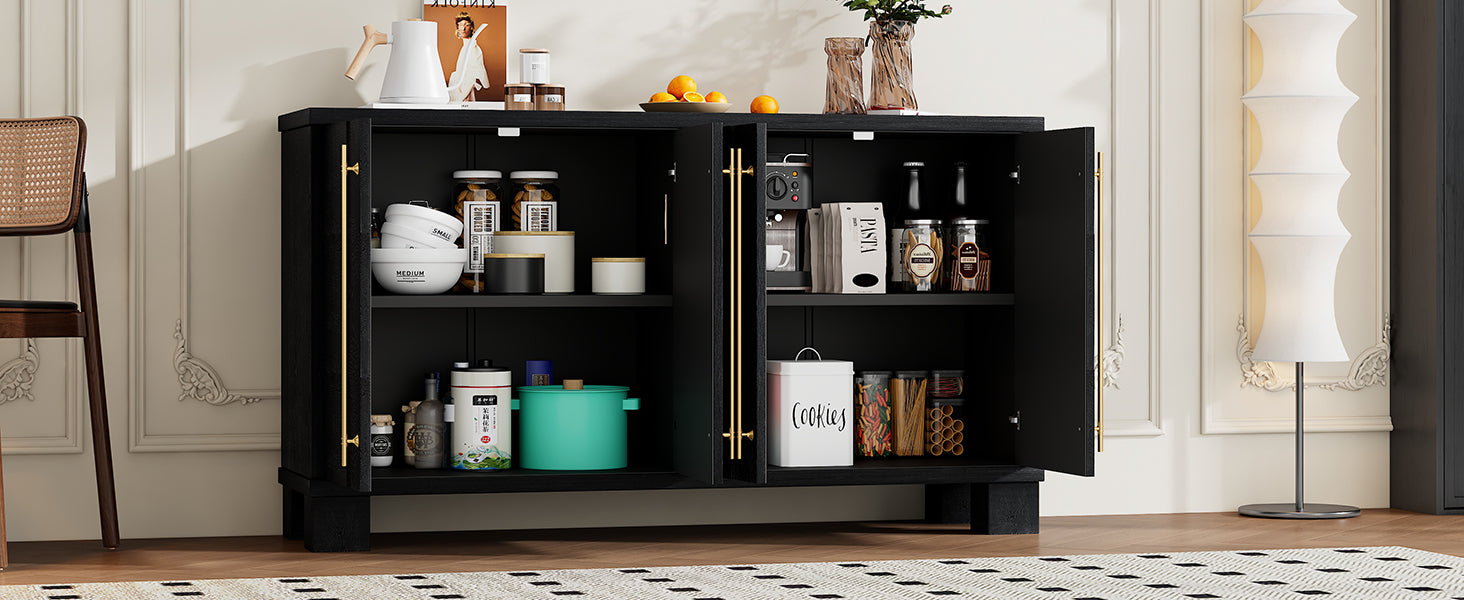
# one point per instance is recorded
(1451, 194)
(903, 470)
(299, 423)
(1055, 281)
(698, 317)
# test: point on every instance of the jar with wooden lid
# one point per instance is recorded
(518, 96)
(534, 65)
(549, 97)
(535, 200)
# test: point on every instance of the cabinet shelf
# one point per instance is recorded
(408, 480)
(906, 470)
(521, 301)
(900, 299)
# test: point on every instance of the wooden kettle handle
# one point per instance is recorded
(374, 38)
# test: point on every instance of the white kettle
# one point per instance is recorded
(414, 74)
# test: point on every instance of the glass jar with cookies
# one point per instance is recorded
(535, 204)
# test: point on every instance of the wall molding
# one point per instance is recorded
(1110, 362)
(18, 375)
(1369, 368)
(197, 379)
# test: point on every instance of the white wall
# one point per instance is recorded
(181, 99)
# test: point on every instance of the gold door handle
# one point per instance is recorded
(345, 168)
(1098, 176)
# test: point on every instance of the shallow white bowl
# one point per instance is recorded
(426, 220)
(417, 270)
(394, 235)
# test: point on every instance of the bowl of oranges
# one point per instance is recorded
(681, 96)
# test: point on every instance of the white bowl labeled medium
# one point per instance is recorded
(557, 248)
(613, 275)
(426, 220)
(417, 270)
(394, 235)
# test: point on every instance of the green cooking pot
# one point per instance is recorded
(572, 430)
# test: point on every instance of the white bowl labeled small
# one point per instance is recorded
(425, 220)
(417, 270)
(397, 236)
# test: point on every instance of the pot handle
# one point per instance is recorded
(631, 404)
(373, 39)
(515, 402)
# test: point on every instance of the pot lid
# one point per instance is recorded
(559, 389)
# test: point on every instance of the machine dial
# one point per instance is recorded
(777, 187)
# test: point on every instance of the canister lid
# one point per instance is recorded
(970, 222)
(546, 87)
(517, 85)
(909, 222)
(477, 174)
(381, 421)
(605, 259)
(533, 51)
(810, 367)
(534, 175)
(532, 233)
(513, 256)
(912, 374)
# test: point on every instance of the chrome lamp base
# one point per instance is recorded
(1300, 509)
(1310, 510)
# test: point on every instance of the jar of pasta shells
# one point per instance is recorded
(535, 205)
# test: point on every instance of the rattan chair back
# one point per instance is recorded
(40, 174)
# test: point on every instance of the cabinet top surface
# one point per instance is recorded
(485, 119)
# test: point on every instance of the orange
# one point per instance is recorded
(716, 97)
(680, 86)
(693, 97)
(662, 97)
(764, 104)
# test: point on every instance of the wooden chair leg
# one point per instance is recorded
(4, 545)
(97, 392)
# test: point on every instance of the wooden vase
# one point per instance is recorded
(893, 79)
(844, 94)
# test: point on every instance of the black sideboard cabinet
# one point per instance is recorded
(668, 187)
(1427, 444)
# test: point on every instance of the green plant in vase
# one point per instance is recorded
(892, 25)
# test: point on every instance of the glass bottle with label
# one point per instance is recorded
(915, 207)
(923, 254)
(427, 436)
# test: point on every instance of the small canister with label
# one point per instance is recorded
(518, 96)
(549, 97)
(383, 447)
(923, 250)
(967, 261)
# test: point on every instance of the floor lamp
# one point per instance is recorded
(1299, 104)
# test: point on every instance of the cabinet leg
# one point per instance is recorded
(948, 503)
(294, 515)
(1004, 508)
(337, 523)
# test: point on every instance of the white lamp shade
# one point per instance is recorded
(1299, 104)
(1301, 317)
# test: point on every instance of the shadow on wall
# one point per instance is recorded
(315, 79)
(734, 53)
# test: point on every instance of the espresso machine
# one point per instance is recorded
(789, 196)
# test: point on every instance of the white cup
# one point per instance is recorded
(777, 257)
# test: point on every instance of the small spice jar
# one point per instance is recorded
(535, 200)
(518, 96)
(549, 97)
(967, 262)
(922, 259)
(382, 445)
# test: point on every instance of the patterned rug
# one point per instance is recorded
(1384, 573)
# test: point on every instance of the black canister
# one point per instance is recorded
(513, 273)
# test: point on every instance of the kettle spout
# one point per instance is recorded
(373, 39)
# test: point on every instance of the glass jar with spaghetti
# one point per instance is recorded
(923, 250)
(967, 260)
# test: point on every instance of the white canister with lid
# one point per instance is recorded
(383, 447)
(482, 435)
(534, 65)
(810, 412)
(618, 275)
(557, 248)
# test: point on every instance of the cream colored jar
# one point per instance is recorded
(557, 248)
(624, 276)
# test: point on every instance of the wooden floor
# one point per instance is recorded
(202, 558)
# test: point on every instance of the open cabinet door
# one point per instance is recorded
(345, 303)
(748, 158)
(1055, 266)
(699, 303)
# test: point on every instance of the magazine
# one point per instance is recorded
(472, 40)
